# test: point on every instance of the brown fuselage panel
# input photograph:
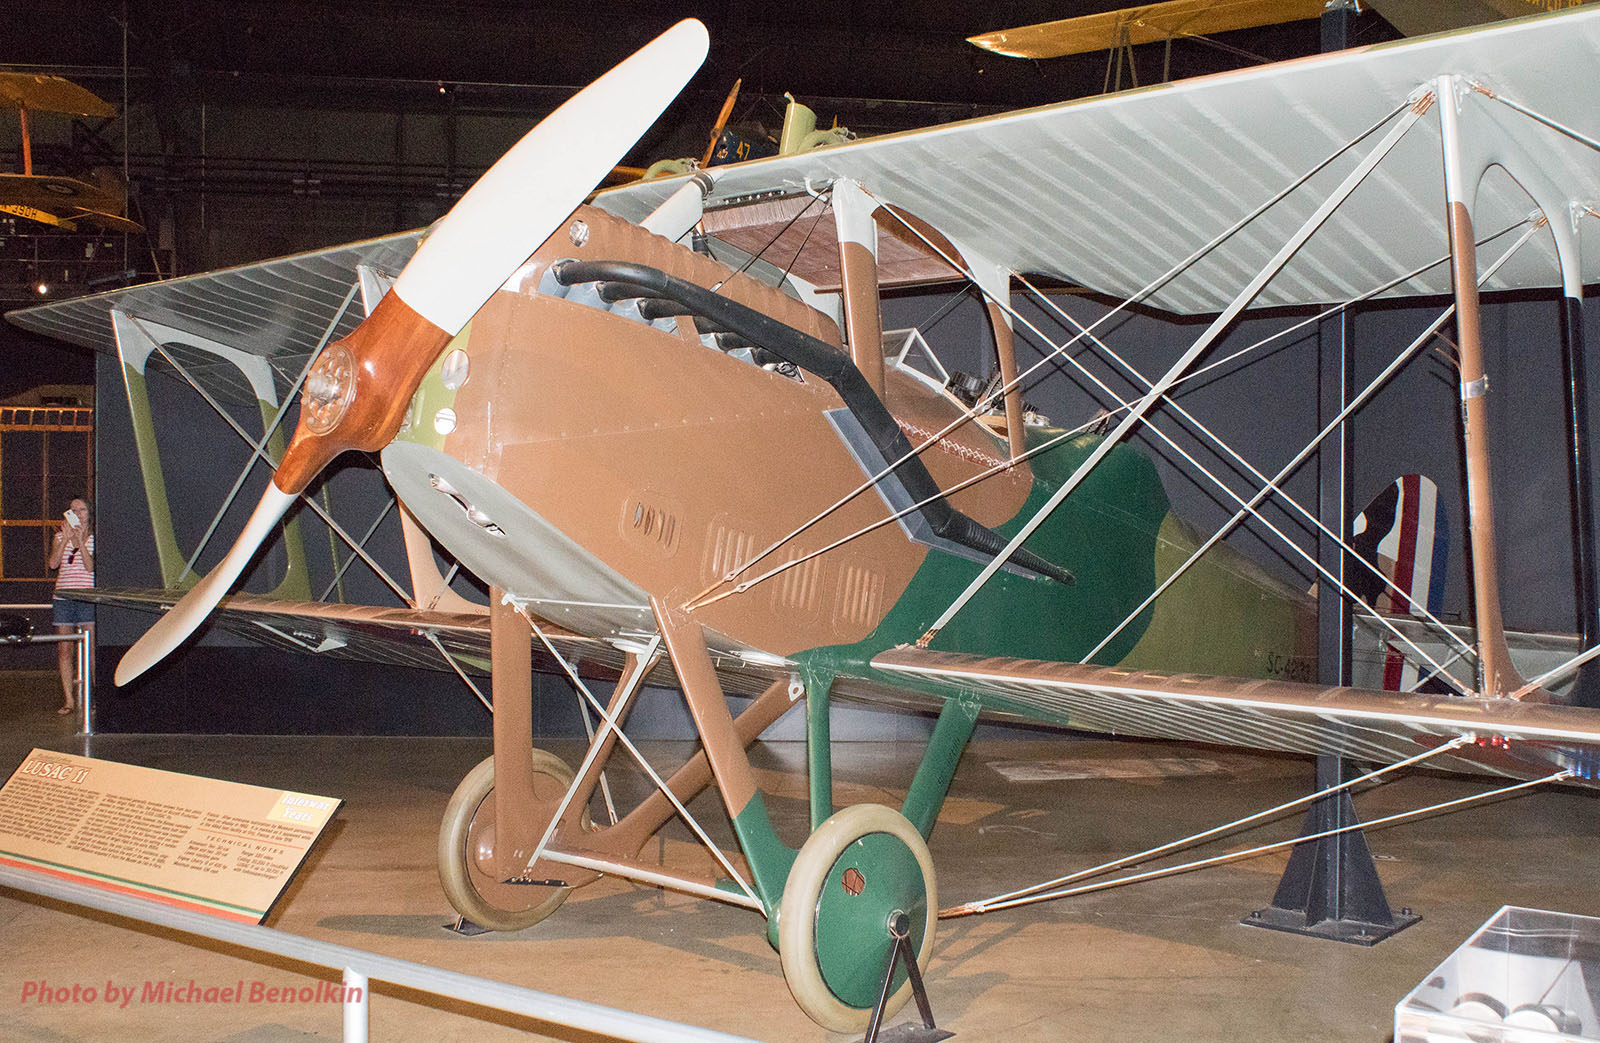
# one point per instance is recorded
(675, 463)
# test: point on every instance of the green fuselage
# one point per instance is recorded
(1117, 534)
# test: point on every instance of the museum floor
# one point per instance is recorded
(1164, 960)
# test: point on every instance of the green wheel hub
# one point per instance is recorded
(857, 871)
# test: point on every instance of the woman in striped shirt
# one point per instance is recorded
(73, 553)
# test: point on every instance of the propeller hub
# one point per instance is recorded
(329, 389)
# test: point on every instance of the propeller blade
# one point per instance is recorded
(368, 378)
(525, 196)
(358, 391)
(186, 616)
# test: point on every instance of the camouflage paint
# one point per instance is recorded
(769, 857)
(1106, 533)
(168, 555)
(1117, 534)
(938, 766)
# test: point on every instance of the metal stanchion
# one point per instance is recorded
(84, 653)
(85, 680)
(355, 1006)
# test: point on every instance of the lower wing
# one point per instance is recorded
(408, 637)
(1495, 736)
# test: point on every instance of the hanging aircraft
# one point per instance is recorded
(1119, 32)
(1146, 23)
(1171, 20)
(60, 201)
(659, 450)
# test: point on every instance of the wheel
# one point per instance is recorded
(860, 868)
(467, 834)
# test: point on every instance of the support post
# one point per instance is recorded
(932, 781)
(1005, 349)
(356, 991)
(168, 556)
(858, 274)
(1586, 689)
(1497, 677)
(136, 341)
(1335, 461)
(901, 954)
(639, 825)
(1330, 889)
(85, 652)
(511, 674)
(819, 748)
(769, 858)
(1336, 25)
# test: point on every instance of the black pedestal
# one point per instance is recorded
(1331, 887)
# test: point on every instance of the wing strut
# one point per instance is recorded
(1351, 181)
(610, 732)
(1271, 485)
(258, 452)
(1496, 675)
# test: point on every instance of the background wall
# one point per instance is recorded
(1265, 405)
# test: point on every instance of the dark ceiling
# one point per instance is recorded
(879, 65)
(258, 128)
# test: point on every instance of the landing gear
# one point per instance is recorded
(466, 846)
(864, 866)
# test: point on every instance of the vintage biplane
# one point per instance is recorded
(666, 427)
(53, 199)
(1121, 30)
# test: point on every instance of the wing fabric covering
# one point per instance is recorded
(1111, 192)
(1107, 192)
(278, 309)
(1509, 738)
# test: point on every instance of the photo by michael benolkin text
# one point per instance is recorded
(121, 996)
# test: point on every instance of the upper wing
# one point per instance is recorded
(1148, 23)
(1507, 737)
(39, 93)
(278, 309)
(1110, 192)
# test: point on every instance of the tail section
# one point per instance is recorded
(1403, 532)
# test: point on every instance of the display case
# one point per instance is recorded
(1526, 976)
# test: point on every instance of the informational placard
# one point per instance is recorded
(204, 844)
